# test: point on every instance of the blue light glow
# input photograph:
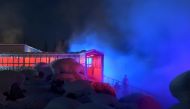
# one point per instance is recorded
(159, 42)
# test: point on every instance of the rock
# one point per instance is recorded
(105, 99)
(44, 71)
(7, 79)
(15, 93)
(126, 106)
(62, 103)
(57, 87)
(79, 87)
(141, 101)
(103, 88)
(68, 69)
(180, 87)
(36, 97)
(180, 106)
(93, 106)
(84, 99)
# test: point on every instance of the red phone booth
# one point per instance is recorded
(94, 65)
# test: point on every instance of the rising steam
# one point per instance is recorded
(11, 30)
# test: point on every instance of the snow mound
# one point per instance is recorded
(63, 103)
(140, 101)
(93, 106)
(105, 99)
(68, 69)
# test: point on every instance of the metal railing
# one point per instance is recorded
(120, 87)
(111, 81)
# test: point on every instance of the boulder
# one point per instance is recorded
(93, 106)
(68, 69)
(180, 87)
(44, 71)
(36, 97)
(32, 101)
(104, 99)
(7, 79)
(140, 101)
(79, 86)
(15, 93)
(105, 88)
(62, 103)
(57, 87)
(180, 106)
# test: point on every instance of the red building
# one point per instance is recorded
(21, 56)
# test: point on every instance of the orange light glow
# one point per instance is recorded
(21, 60)
(43, 59)
(16, 60)
(32, 59)
(27, 59)
(38, 60)
(52, 59)
(5, 59)
(1, 61)
(94, 68)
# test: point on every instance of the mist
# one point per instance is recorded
(152, 46)
(147, 40)
(11, 22)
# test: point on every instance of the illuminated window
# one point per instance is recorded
(82, 60)
(4, 59)
(27, 59)
(16, 60)
(52, 59)
(47, 59)
(43, 59)
(32, 59)
(38, 60)
(10, 59)
(1, 61)
(89, 62)
(21, 60)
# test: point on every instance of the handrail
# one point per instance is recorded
(111, 81)
(130, 89)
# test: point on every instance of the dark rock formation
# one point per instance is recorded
(180, 88)
(68, 69)
(63, 103)
(140, 101)
(103, 88)
(15, 93)
(57, 87)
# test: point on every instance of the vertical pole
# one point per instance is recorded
(102, 67)
(85, 57)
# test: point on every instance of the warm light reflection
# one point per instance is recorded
(93, 62)
(43, 59)
(37, 60)
(27, 60)
(32, 59)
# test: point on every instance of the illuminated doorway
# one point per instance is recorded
(94, 61)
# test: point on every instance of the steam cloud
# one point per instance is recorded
(10, 23)
(146, 39)
(154, 40)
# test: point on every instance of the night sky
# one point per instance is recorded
(144, 39)
(42, 23)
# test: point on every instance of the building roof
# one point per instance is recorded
(17, 48)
